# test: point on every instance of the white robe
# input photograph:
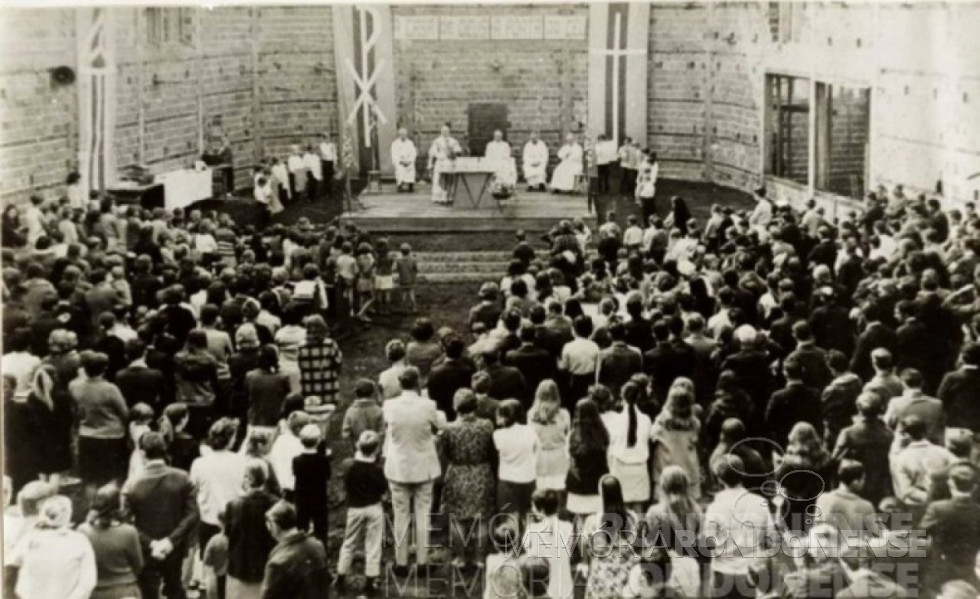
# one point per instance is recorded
(403, 155)
(535, 163)
(500, 150)
(563, 179)
(442, 147)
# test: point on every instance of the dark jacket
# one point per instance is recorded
(506, 382)
(832, 328)
(667, 361)
(751, 368)
(444, 380)
(875, 336)
(617, 363)
(163, 504)
(816, 372)
(297, 569)
(786, 407)
(249, 541)
(141, 384)
(868, 442)
(535, 365)
(954, 527)
(959, 392)
(912, 346)
(839, 405)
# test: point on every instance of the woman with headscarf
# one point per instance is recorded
(468, 486)
(608, 536)
(588, 442)
(118, 554)
(55, 561)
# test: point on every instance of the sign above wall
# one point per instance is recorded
(503, 27)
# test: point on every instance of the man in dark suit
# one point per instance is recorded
(960, 389)
(953, 525)
(449, 376)
(512, 320)
(911, 338)
(639, 330)
(751, 367)
(297, 566)
(868, 441)
(875, 335)
(830, 322)
(813, 359)
(488, 310)
(619, 361)
(549, 338)
(506, 382)
(164, 509)
(138, 382)
(794, 403)
(249, 541)
(534, 363)
(671, 358)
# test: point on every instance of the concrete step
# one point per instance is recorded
(434, 266)
(502, 256)
(439, 278)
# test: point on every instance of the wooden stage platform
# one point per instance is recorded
(415, 212)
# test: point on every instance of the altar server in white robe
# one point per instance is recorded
(570, 154)
(298, 172)
(403, 155)
(535, 162)
(498, 149)
(443, 147)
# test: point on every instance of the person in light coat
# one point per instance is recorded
(412, 464)
(534, 161)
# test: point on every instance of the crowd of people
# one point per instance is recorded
(769, 403)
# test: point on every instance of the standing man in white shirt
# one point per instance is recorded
(535, 162)
(328, 158)
(761, 215)
(315, 166)
(403, 155)
(737, 526)
(606, 155)
(299, 172)
(411, 465)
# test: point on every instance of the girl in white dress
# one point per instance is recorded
(552, 423)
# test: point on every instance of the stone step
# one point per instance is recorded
(486, 256)
(434, 266)
(440, 278)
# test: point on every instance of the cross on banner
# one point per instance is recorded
(366, 77)
(617, 52)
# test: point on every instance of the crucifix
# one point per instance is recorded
(617, 53)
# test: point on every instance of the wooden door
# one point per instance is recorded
(484, 119)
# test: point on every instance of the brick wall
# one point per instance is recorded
(442, 77)
(38, 140)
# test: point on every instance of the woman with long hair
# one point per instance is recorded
(676, 520)
(675, 434)
(629, 447)
(552, 424)
(588, 442)
(517, 448)
(118, 554)
(608, 536)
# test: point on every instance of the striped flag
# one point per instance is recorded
(96, 98)
(618, 39)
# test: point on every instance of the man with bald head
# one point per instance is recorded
(403, 155)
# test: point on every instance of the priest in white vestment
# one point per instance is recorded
(499, 150)
(535, 162)
(443, 147)
(570, 154)
(403, 154)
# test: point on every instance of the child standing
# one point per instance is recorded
(364, 414)
(408, 270)
(312, 472)
(365, 280)
(384, 279)
(366, 484)
(346, 271)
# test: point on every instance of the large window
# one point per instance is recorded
(788, 128)
(843, 117)
(170, 25)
